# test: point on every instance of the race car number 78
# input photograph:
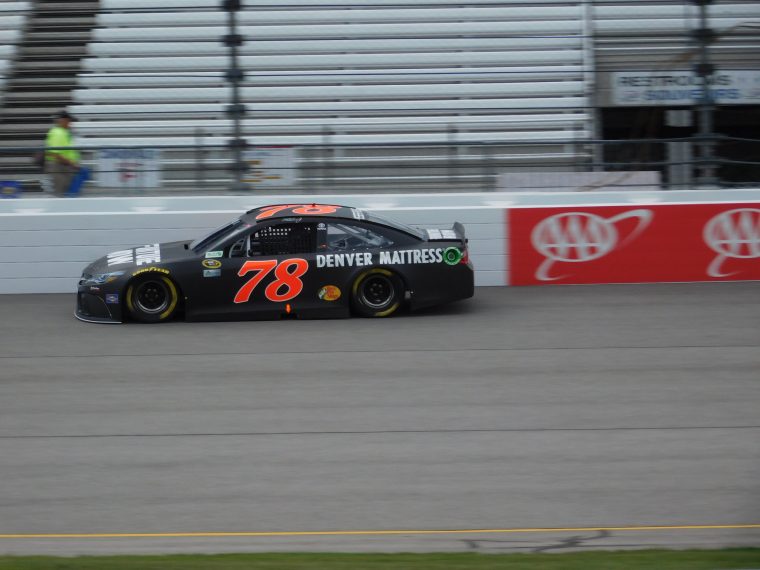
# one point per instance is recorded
(285, 277)
(302, 209)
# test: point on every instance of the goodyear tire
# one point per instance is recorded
(377, 293)
(152, 299)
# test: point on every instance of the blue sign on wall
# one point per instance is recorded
(10, 189)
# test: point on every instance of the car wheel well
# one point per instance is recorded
(126, 310)
(389, 283)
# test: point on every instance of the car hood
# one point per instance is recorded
(155, 254)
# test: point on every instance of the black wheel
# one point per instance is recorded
(152, 299)
(377, 293)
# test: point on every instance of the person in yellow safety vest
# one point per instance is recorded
(62, 165)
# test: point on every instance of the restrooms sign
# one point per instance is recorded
(681, 87)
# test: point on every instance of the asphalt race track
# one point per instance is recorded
(592, 410)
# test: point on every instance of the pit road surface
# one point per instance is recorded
(523, 408)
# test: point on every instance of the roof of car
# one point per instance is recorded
(278, 211)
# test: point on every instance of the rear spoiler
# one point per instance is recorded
(455, 233)
(459, 229)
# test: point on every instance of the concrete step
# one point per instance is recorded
(22, 173)
(21, 143)
(7, 160)
(13, 138)
(35, 116)
(26, 128)
(44, 51)
(37, 60)
(37, 96)
(58, 20)
(31, 110)
(26, 76)
(57, 65)
(22, 70)
(32, 37)
(19, 84)
(27, 114)
(39, 122)
(62, 6)
(50, 43)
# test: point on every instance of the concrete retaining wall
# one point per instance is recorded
(46, 242)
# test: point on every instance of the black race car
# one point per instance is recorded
(282, 261)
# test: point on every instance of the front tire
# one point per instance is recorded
(377, 293)
(152, 299)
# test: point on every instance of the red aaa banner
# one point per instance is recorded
(634, 244)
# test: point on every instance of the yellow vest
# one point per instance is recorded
(60, 137)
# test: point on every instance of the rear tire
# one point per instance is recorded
(152, 299)
(377, 293)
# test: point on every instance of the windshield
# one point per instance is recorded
(215, 235)
(395, 225)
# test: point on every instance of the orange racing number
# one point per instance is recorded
(286, 285)
(301, 209)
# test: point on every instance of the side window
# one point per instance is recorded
(283, 239)
(349, 237)
(239, 248)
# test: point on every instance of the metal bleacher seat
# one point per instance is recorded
(12, 16)
(342, 73)
(666, 44)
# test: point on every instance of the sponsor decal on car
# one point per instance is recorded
(151, 270)
(452, 255)
(214, 254)
(212, 272)
(329, 293)
(358, 214)
(398, 257)
(139, 256)
(298, 209)
(211, 263)
(344, 259)
(441, 234)
(112, 298)
(411, 256)
(121, 257)
(287, 283)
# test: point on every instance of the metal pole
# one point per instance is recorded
(236, 110)
(199, 166)
(705, 108)
(591, 93)
(452, 154)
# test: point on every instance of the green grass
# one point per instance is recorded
(739, 558)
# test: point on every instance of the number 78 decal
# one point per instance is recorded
(285, 278)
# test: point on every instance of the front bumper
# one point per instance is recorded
(93, 308)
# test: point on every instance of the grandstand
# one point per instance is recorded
(48, 42)
(386, 94)
(12, 21)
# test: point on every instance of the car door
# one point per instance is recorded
(258, 272)
(347, 248)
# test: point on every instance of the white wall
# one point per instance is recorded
(45, 243)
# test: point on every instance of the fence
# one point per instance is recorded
(537, 165)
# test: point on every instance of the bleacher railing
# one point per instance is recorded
(571, 165)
